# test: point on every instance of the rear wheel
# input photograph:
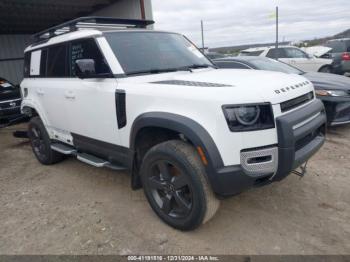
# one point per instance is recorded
(325, 69)
(41, 144)
(176, 187)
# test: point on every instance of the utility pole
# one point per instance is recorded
(202, 29)
(276, 53)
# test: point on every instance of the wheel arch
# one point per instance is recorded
(189, 128)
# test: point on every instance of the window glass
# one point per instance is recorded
(231, 65)
(337, 46)
(26, 69)
(272, 53)
(147, 52)
(253, 53)
(294, 53)
(43, 61)
(87, 49)
(56, 62)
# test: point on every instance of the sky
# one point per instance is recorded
(236, 22)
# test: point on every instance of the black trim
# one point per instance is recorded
(120, 105)
(11, 59)
(113, 153)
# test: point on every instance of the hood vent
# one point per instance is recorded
(190, 83)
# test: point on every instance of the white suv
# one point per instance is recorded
(293, 56)
(152, 103)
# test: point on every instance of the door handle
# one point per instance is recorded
(40, 91)
(69, 94)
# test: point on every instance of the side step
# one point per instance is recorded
(64, 149)
(83, 157)
(97, 162)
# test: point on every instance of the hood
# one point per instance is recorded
(328, 81)
(267, 86)
(8, 91)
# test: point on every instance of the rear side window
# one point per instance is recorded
(56, 61)
(234, 65)
(26, 69)
(87, 49)
(43, 62)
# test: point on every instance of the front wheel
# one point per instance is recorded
(175, 184)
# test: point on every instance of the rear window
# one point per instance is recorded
(337, 46)
(254, 53)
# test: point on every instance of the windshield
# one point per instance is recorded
(155, 52)
(273, 65)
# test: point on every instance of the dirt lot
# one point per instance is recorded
(73, 208)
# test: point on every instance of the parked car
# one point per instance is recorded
(293, 56)
(152, 103)
(333, 90)
(340, 53)
(10, 103)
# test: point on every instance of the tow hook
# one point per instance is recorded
(302, 172)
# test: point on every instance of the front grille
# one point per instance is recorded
(296, 102)
(10, 104)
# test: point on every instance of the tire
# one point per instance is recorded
(41, 143)
(176, 187)
(325, 69)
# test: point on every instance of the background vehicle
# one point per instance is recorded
(214, 55)
(340, 54)
(293, 56)
(10, 103)
(333, 90)
(151, 102)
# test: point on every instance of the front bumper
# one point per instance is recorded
(10, 111)
(300, 135)
(337, 110)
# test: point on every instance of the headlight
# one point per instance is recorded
(249, 117)
(335, 93)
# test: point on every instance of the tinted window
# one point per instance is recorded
(147, 52)
(337, 46)
(234, 65)
(254, 53)
(294, 53)
(43, 61)
(87, 49)
(26, 68)
(272, 53)
(56, 62)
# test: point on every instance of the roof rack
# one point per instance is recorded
(89, 22)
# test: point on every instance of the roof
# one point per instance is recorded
(84, 33)
(28, 17)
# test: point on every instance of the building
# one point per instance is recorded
(19, 19)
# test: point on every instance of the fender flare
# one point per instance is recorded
(186, 126)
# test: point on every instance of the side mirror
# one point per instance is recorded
(85, 68)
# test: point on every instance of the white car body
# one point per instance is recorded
(293, 56)
(71, 108)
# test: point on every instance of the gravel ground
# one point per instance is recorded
(73, 208)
